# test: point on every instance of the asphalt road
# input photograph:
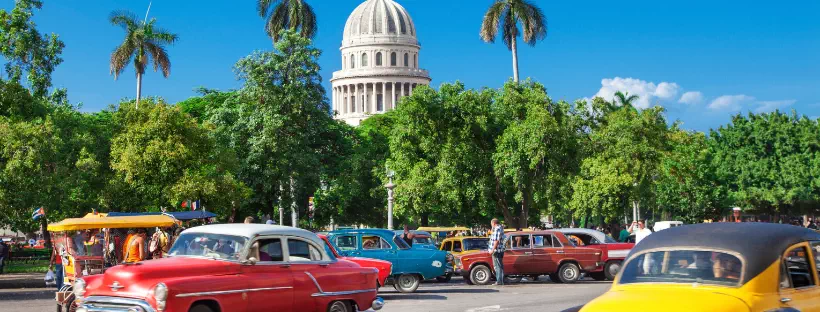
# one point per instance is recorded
(455, 296)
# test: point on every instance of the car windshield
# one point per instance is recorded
(400, 242)
(217, 246)
(683, 266)
(422, 240)
(476, 244)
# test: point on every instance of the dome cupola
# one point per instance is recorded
(379, 21)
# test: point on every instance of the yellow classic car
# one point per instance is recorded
(718, 267)
(460, 245)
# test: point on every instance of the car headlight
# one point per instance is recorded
(79, 290)
(458, 262)
(161, 295)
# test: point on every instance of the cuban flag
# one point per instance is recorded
(195, 205)
(39, 212)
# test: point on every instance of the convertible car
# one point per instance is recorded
(235, 267)
(719, 267)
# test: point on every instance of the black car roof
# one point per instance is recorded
(760, 244)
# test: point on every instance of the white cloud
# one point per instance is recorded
(647, 92)
(691, 98)
(730, 102)
(768, 106)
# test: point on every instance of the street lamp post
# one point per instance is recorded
(390, 187)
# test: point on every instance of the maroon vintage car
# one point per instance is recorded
(532, 254)
(385, 267)
(612, 252)
(235, 267)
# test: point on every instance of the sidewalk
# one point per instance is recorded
(23, 280)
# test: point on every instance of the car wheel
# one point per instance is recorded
(481, 275)
(554, 278)
(569, 273)
(611, 269)
(468, 280)
(407, 283)
(201, 308)
(339, 306)
(598, 276)
(444, 278)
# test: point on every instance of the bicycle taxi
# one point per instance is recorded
(91, 244)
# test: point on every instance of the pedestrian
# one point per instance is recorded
(55, 264)
(812, 225)
(4, 251)
(624, 234)
(270, 222)
(639, 229)
(136, 251)
(407, 236)
(497, 250)
(249, 220)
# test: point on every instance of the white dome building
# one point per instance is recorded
(380, 61)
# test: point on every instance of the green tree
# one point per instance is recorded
(26, 50)
(621, 162)
(296, 15)
(504, 16)
(769, 161)
(143, 41)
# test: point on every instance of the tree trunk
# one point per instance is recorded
(526, 201)
(139, 89)
(44, 230)
(232, 217)
(425, 219)
(515, 59)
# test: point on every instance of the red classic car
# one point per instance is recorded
(385, 267)
(235, 267)
(531, 254)
(612, 252)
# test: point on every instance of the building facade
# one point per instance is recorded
(380, 62)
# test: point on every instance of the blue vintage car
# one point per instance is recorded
(410, 265)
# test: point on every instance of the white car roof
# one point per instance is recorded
(600, 236)
(251, 230)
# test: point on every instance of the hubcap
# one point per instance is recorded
(614, 268)
(338, 307)
(406, 281)
(569, 273)
(480, 275)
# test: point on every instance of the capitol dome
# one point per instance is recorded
(380, 61)
(377, 20)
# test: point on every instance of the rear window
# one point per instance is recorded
(683, 266)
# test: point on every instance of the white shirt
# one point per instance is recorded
(641, 234)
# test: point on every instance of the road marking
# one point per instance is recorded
(485, 309)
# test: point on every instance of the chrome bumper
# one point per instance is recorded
(377, 304)
(114, 304)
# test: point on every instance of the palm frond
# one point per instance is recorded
(262, 6)
(159, 56)
(492, 19)
(125, 19)
(163, 37)
(509, 29)
(533, 21)
(277, 21)
(122, 56)
(309, 26)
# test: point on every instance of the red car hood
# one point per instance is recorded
(138, 279)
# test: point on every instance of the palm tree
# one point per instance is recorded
(512, 12)
(624, 99)
(287, 14)
(143, 40)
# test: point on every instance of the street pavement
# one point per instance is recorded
(455, 296)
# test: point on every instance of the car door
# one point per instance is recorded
(518, 254)
(545, 253)
(799, 285)
(270, 283)
(314, 276)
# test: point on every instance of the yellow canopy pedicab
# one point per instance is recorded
(93, 243)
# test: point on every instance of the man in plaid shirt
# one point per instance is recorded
(497, 250)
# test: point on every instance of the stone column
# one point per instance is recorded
(384, 97)
(356, 102)
(373, 99)
(393, 95)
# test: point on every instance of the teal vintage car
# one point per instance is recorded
(410, 265)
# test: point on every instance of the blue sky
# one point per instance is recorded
(702, 60)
